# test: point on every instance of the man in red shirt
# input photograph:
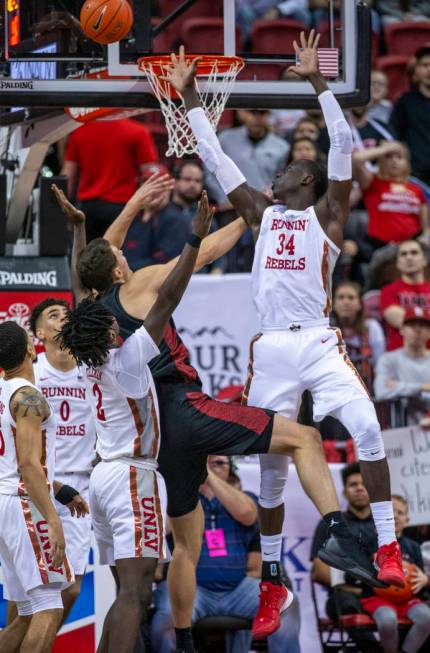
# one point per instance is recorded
(410, 290)
(108, 158)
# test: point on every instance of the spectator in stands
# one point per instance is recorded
(411, 116)
(412, 289)
(344, 592)
(305, 148)
(105, 159)
(349, 597)
(379, 107)
(393, 11)
(228, 569)
(363, 337)
(247, 11)
(306, 127)
(405, 372)
(258, 152)
(397, 208)
(366, 132)
(161, 233)
(384, 605)
(321, 14)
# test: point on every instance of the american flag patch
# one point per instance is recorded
(328, 61)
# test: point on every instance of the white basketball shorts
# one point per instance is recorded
(127, 505)
(25, 550)
(77, 532)
(283, 364)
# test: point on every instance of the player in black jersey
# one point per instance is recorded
(192, 424)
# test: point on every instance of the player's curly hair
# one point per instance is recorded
(86, 333)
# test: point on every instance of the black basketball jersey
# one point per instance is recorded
(173, 364)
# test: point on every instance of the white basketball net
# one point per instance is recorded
(213, 98)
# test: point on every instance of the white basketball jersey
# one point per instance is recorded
(292, 271)
(67, 393)
(10, 478)
(124, 401)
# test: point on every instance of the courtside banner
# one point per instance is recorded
(216, 320)
(408, 455)
(34, 273)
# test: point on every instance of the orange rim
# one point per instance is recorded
(204, 66)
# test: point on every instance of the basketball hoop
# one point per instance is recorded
(219, 75)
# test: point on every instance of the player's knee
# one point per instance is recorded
(274, 475)
(368, 440)
(312, 438)
(138, 594)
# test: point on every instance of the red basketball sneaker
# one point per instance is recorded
(388, 561)
(274, 599)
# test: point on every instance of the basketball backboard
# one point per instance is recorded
(46, 60)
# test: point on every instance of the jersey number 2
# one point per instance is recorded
(98, 393)
(286, 245)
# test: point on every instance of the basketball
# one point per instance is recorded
(106, 21)
(397, 594)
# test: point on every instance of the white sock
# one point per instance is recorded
(271, 547)
(383, 516)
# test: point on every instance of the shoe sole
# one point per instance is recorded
(288, 601)
(348, 565)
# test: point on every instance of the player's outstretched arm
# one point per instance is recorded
(76, 219)
(29, 409)
(170, 293)
(249, 202)
(333, 209)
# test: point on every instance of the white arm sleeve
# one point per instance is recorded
(339, 165)
(225, 170)
(131, 363)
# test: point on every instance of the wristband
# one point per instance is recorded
(66, 494)
(194, 241)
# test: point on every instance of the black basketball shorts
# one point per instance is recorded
(193, 426)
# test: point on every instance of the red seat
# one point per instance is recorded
(206, 35)
(275, 36)
(394, 66)
(357, 621)
(406, 38)
(324, 30)
(262, 72)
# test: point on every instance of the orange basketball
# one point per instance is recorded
(397, 594)
(106, 21)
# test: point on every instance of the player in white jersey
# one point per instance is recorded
(32, 547)
(300, 235)
(62, 383)
(125, 496)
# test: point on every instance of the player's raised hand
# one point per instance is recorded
(307, 55)
(203, 219)
(156, 185)
(74, 215)
(57, 542)
(78, 506)
(181, 73)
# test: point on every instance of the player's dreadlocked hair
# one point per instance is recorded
(86, 334)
